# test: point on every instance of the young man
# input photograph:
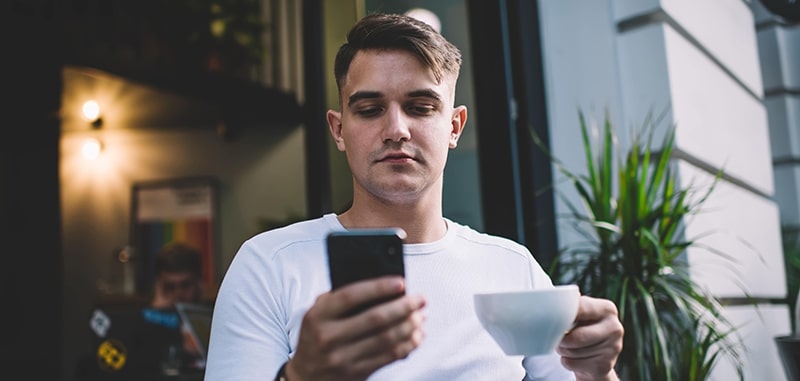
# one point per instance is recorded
(275, 315)
(178, 276)
(178, 279)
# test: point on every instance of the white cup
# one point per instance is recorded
(529, 322)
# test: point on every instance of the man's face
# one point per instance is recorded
(174, 287)
(396, 125)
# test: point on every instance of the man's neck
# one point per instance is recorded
(422, 223)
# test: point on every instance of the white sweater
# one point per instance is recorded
(277, 275)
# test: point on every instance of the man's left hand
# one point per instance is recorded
(591, 348)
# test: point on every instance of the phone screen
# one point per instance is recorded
(355, 255)
(360, 254)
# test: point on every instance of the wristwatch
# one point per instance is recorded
(281, 376)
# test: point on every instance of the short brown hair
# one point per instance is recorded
(381, 31)
(178, 257)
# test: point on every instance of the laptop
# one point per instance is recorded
(129, 343)
(196, 319)
(138, 343)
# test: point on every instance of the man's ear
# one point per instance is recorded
(457, 123)
(335, 126)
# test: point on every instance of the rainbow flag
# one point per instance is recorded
(170, 212)
(197, 233)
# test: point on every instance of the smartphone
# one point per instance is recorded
(360, 254)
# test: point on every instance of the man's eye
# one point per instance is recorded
(368, 112)
(421, 109)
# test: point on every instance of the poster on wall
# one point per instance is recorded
(165, 211)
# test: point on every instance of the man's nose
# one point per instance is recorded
(396, 125)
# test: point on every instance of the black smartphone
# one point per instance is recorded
(360, 254)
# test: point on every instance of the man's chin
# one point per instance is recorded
(400, 194)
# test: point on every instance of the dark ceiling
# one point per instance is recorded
(199, 49)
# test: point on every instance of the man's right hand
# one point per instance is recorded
(335, 346)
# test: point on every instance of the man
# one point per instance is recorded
(178, 276)
(142, 342)
(275, 315)
(178, 279)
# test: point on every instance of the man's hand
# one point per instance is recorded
(162, 298)
(591, 348)
(335, 346)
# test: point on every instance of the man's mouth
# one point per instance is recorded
(396, 157)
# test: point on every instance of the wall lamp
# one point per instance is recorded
(92, 146)
(91, 111)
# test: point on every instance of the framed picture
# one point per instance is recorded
(182, 210)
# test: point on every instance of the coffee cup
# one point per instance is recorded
(530, 322)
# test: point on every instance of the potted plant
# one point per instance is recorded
(789, 345)
(791, 256)
(632, 222)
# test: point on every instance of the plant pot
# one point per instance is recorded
(789, 350)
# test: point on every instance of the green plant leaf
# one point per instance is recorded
(631, 215)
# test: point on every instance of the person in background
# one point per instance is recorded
(276, 316)
(147, 340)
(178, 276)
(178, 279)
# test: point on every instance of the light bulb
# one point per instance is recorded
(91, 148)
(91, 110)
(427, 17)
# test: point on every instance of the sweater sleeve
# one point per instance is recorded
(248, 339)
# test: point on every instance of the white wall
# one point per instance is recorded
(700, 61)
(779, 45)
